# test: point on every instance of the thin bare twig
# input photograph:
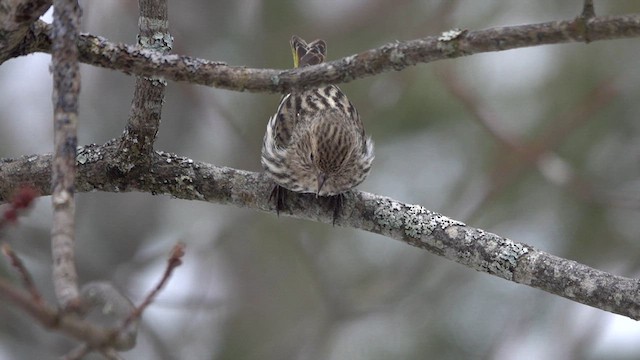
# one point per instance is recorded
(66, 88)
(175, 260)
(27, 279)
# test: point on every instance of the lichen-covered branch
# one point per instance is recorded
(136, 144)
(393, 56)
(413, 224)
(66, 88)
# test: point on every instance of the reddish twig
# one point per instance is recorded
(175, 260)
(21, 201)
(27, 279)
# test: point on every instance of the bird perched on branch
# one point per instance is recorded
(315, 142)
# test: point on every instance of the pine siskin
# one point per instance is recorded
(315, 142)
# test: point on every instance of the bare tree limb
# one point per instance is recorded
(398, 55)
(136, 144)
(25, 275)
(175, 260)
(66, 88)
(15, 18)
(413, 224)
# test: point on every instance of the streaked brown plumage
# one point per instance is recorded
(315, 142)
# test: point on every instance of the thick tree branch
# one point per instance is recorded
(66, 88)
(413, 224)
(398, 55)
(136, 144)
(15, 18)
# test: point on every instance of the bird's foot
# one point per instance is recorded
(279, 198)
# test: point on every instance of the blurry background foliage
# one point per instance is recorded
(259, 287)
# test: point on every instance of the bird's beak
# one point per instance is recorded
(322, 177)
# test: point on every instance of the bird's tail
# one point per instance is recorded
(307, 54)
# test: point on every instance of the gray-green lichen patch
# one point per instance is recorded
(397, 58)
(96, 44)
(450, 35)
(512, 250)
(442, 222)
(185, 184)
(331, 69)
(191, 64)
(156, 81)
(188, 163)
(414, 220)
(446, 43)
(85, 155)
(506, 259)
(349, 59)
(390, 216)
(158, 57)
(452, 231)
(171, 157)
